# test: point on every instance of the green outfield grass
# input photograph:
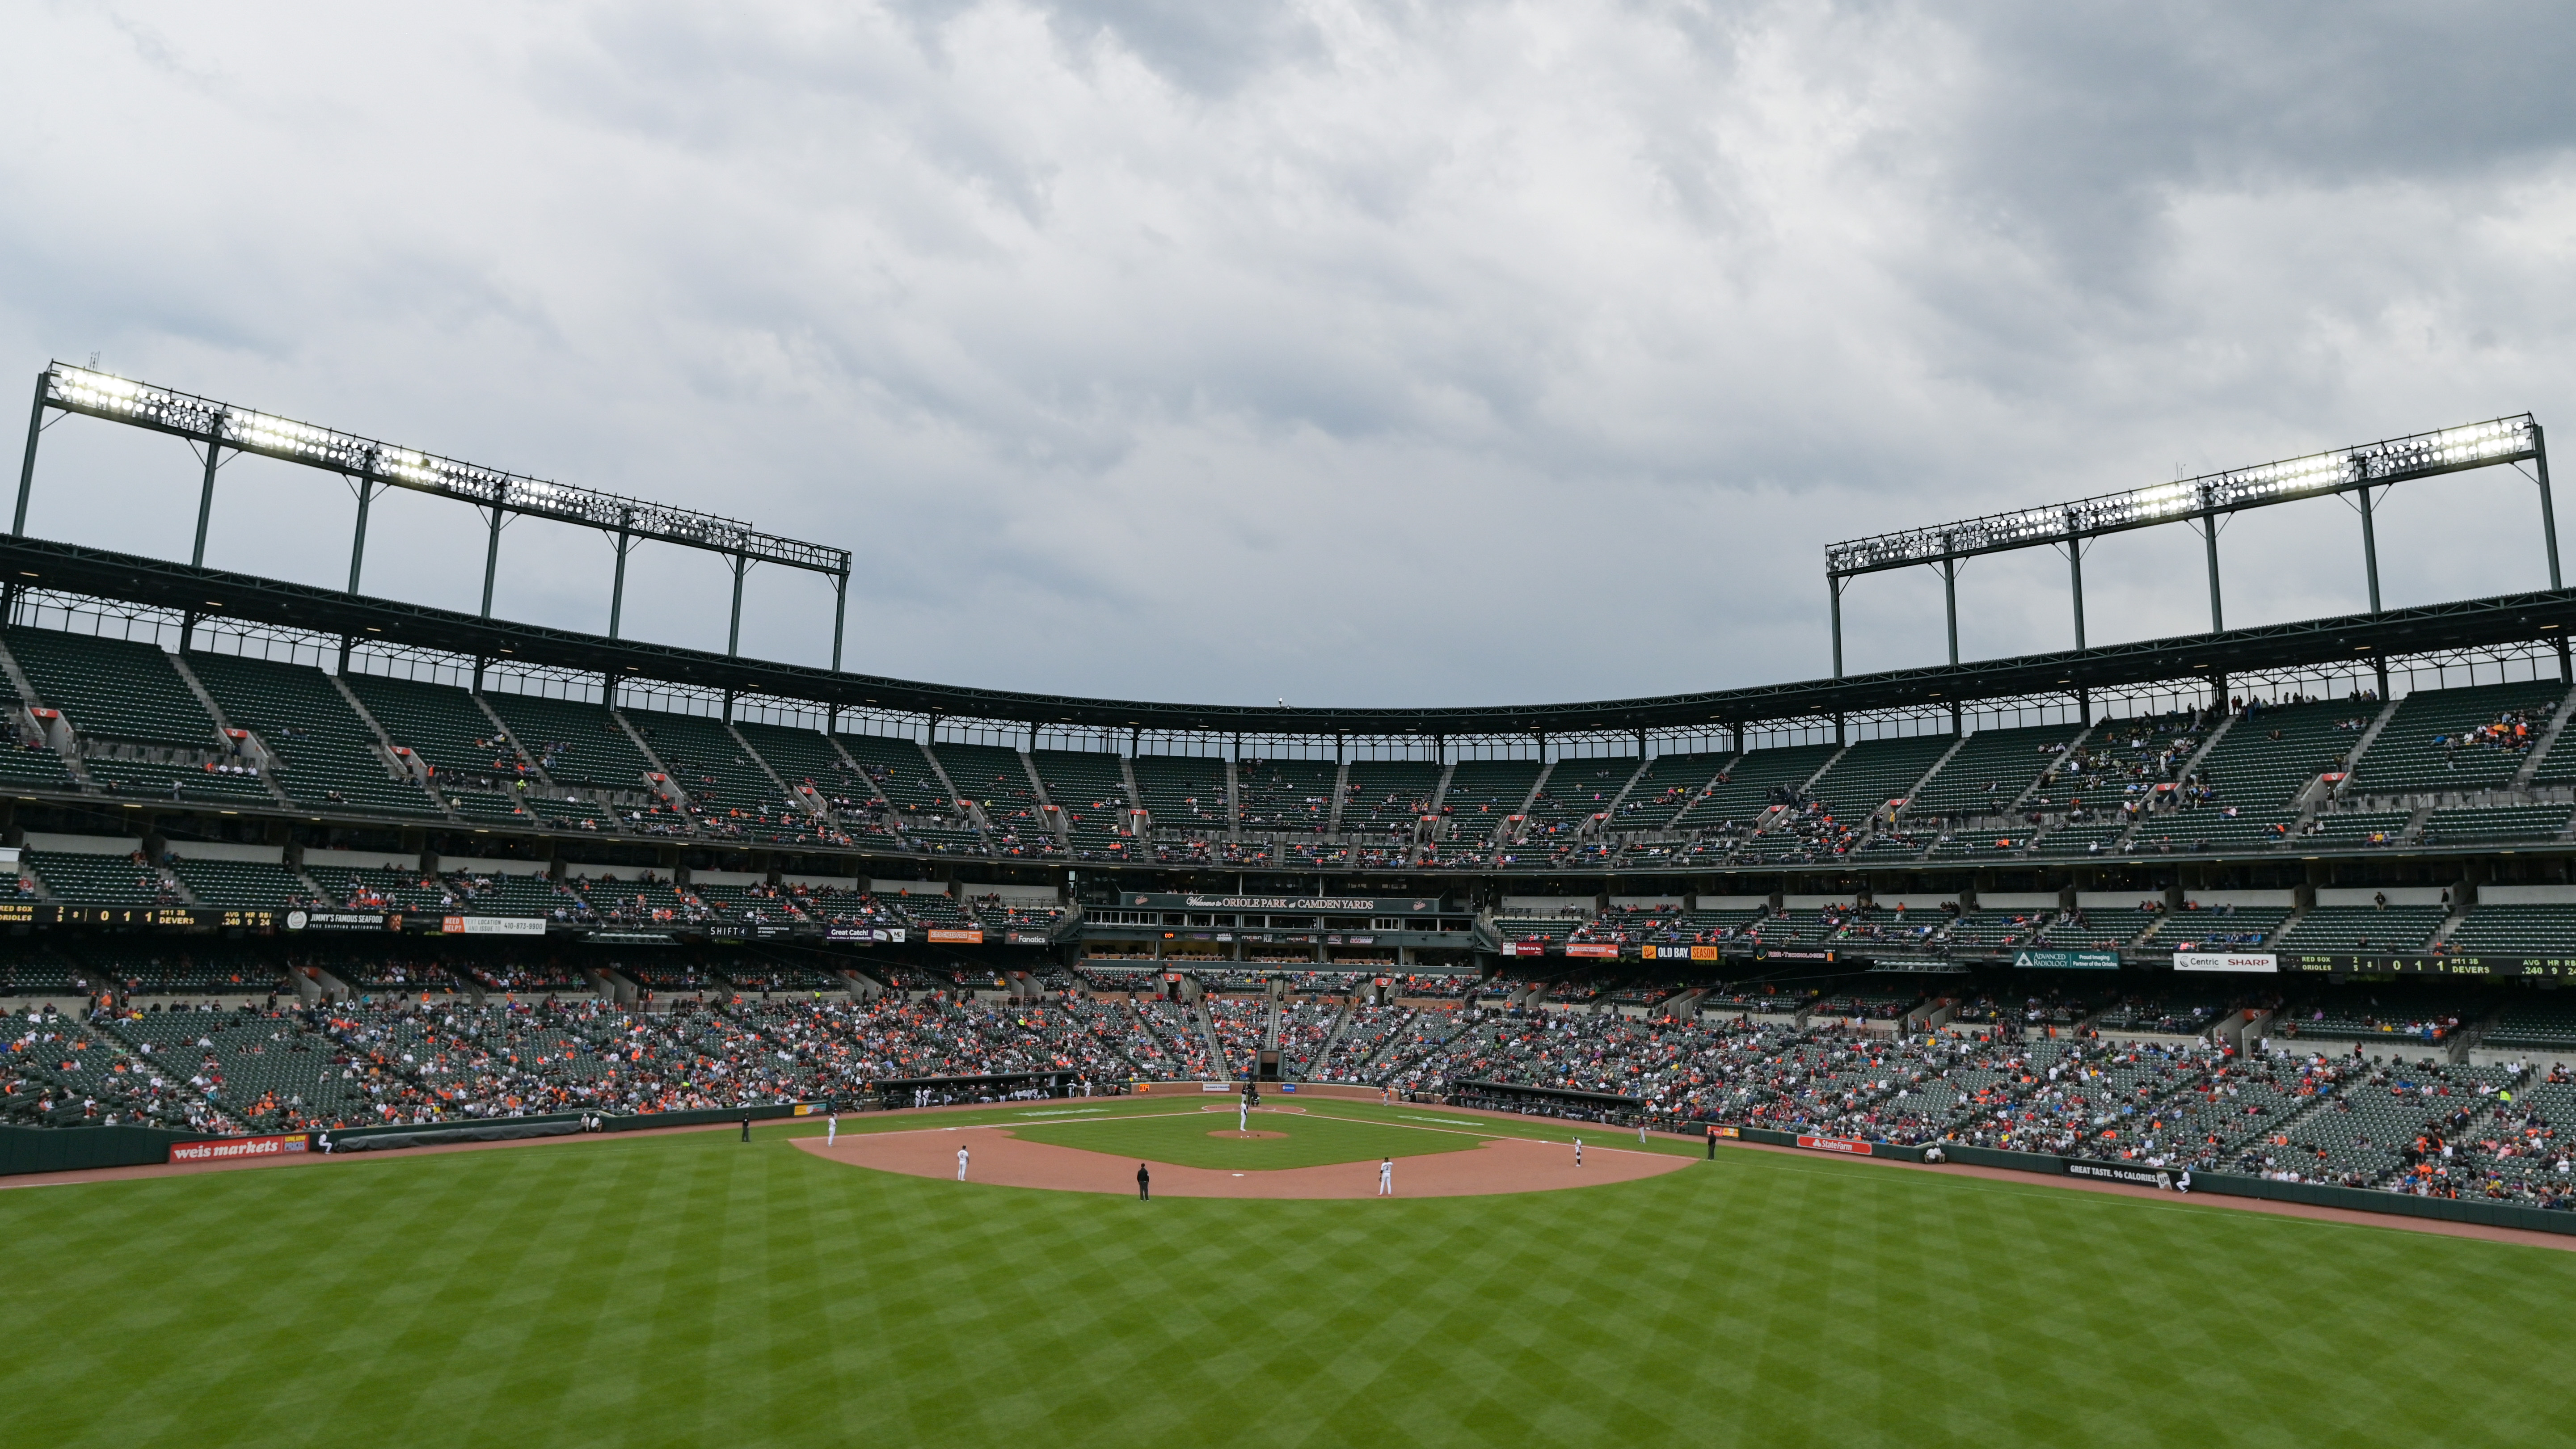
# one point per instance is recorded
(694, 1290)
(1308, 1139)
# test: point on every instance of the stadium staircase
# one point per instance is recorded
(1047, 811)
(1341, 796)
(503, 732)
(1141, 822)
(671, 790)
(812, 806)
(1926, 778)
(2549, 737)
(394, 756)
(2182, 777)
(223, 723)
(2072, 746)
(1440, 792)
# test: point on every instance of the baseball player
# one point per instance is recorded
(1144, 1184)
(1641, 1134)
(961, 1163)
(1386, 1177)
(1578, 1156)
(832, 1129)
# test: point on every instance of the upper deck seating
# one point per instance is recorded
(326, 754)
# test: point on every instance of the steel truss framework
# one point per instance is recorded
(2506, 634)
(2204, 503)
(371, 467)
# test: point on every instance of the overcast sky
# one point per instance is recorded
(1419, 354)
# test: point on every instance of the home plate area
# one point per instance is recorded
(1460, 1167)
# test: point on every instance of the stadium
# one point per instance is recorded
(1073, 722)
(2272, 915)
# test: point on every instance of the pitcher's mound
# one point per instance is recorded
(1233, 1136)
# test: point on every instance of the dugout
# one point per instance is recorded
(1607, 1107)
(997, 1087)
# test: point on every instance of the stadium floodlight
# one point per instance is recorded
(373, 466)
(2203, 501)
(2478, 445)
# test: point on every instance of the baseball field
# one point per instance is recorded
(688, 1288)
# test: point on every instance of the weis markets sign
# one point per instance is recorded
(229, 1148)
(2263, 961)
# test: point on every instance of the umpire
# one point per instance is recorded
(1144, 1184)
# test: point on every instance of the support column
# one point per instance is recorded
(1949, 596)
(27, 469)
(358, 540)
(617, 590)
(840, 612)
(1834, 586)
(2539, 459)
(733, 635)
(2075, 576)
(491, 561)
(206, 495)
(2370, 562)
(2209, 535)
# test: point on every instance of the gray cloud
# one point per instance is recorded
(1446, 354)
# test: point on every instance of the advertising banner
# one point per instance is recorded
(1590, 948)
(2130, 1172)
(2263, 961)
(2067, 960)
(1852, 1145)
(230, 1148)
(493, 925)
(341, 921)
(951, 936)
(1524, 948)
(1343, 905)
(1717, 1131)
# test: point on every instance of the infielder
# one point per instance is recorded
(1243, 1116)
(1386, 1177)
(831, 1129)
(1641, 1134)
(961, 1164)
(1578, 1157)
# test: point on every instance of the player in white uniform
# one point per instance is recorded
(961, 1164)
(1386, 1177)
(1578, 1153)
(832, 1129)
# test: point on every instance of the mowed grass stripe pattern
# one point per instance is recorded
(691, 1289)
(1306, 1140)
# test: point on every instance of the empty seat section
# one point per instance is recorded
(730, 796)
(1991, 770)
(1866, 777)
(2363, 928)
(2367, 827)
(1669, 783)
(573, 742)
(2516, 929)
(377, 888)
(2503, 824)
(113, 688)
(1482, 795)
(1291, 794)
(1575, 791)
(1751, 784)
(1089, 791)
(240, 884)
(900, 772)
(98, 880)
(326, 754)
(806, 757)
(1184, 792)
(1387, 797)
